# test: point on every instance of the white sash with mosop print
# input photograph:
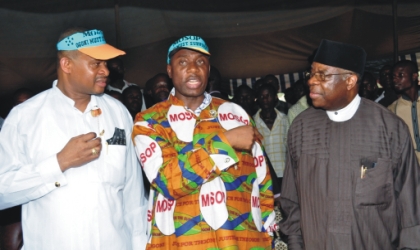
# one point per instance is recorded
(164, 215)
(212, 201)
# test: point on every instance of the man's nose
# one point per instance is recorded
(311, 80)
(104, 69)
(192, 67)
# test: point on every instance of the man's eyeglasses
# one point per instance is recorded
(321, 76)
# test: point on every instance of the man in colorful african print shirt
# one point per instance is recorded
(211, 188)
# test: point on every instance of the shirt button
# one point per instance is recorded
(227, 160)
(57, 184)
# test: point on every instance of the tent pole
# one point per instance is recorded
(395, 29)
(117, 24)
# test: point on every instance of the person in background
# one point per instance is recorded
(290, 96)
(67, 158)
(147, 94)
(304, 102)
(407, 107)
(368, 87)
(301, 92)
(273, 80)
(161, 86)
(21, 95)
(132, 100)
(244, 97)
(351, 172)
(117, 95)
(198, 153)
(214, 85)
(158, 88)
(115, 80)
(258, 83)
(388, 94)
(273, 126)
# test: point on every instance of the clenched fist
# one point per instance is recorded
(241, 138)
(79, 150)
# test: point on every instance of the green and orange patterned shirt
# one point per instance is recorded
(205, 194)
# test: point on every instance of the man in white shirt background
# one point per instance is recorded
(66, 156)
(273, 126)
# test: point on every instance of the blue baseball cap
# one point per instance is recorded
(188, 42)
(91, 43)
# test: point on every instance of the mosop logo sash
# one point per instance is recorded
(150, 155)
(255, 206)
(182, 122)
(213, 203)
(259, 162)
(164, 215)
(231, 116)
(149, 213)
(270, 224)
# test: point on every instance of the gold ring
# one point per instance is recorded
(94, 152)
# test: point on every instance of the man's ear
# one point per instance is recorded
(65, 64)
(169, 70)
(415, 77)
(351, 81)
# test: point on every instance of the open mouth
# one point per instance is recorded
(193, 83)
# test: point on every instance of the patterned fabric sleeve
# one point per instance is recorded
(173, 170)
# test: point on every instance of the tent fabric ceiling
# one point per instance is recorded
(247, 38)
(48, 6)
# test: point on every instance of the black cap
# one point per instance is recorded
(341, 55)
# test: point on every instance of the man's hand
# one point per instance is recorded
(241, 138)
(79, 150)
(257, 135)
